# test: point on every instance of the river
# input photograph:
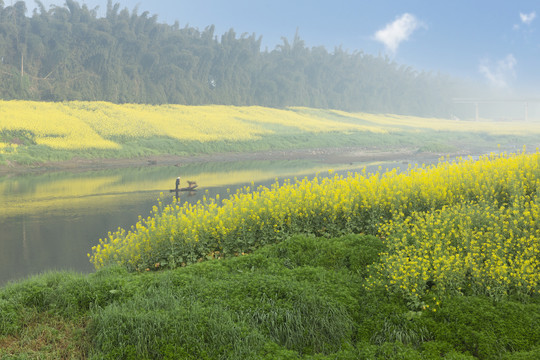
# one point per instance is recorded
(50, 221)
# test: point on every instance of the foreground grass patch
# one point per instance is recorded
(304, 298)
(41, 335)
(272, 301)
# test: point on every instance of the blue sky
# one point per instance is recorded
(495, 42)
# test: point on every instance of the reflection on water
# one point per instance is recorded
(51, 221)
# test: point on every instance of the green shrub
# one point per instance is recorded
(351, 252)
(401, 329)
(9, 317)
(523, 355)
(163, 325)
(487, 329)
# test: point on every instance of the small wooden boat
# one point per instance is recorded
(189, 188)
(192, 185)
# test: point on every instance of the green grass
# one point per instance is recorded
(303, 298)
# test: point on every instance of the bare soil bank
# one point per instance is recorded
(325, 155)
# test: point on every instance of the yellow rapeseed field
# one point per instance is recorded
(85, 125)
(80, 125)
(51, 125)
(467, 226)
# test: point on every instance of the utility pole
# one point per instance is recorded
(477, 101)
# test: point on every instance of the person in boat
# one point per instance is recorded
(191, 185)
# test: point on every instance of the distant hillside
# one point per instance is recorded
(68, 53)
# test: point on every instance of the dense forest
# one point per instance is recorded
(69, 53)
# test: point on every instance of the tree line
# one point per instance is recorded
(69, 53)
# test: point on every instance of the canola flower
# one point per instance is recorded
(481, 248)
(50, 125)
(467, 226)
(8, 148)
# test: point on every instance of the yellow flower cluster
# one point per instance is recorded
(479, 235)
(469, 248)
(50, 125)
(467, 225)
(8, 148)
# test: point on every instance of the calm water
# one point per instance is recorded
(51, 221)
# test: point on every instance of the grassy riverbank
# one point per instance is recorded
(37, 133)
(305, 298)
(430, 263)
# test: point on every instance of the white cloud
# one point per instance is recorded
(398, 31)
(500, 73)
(527, 18)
